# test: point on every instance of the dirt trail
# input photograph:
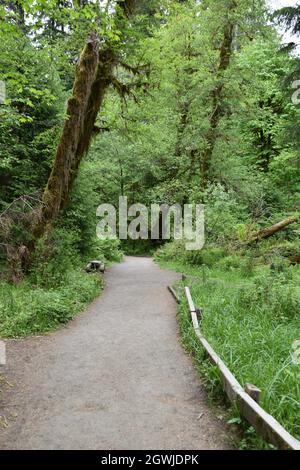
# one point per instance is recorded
(115, 378)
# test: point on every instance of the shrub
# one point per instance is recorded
(55, 255)
(108, 250)
(171, 251)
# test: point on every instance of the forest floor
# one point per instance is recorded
(116, 377)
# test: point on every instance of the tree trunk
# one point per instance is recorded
(106, 64)
(60, 180)
(93, 77)
(268, 232)
(218, 110)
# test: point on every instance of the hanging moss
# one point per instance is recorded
(60, 180)
(92, 78)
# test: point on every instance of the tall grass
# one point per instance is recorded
(27, 309)
(251, 318)
(57, 287)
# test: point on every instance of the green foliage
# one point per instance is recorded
(109, 250)
(230, 262)
(30, 309)
(149, 146)
(252, 324)
(41, 42)
(57, 287)
(209, 256)
(223, 213)
(30, 117)
(275, 294)
(171, 251)
(55, 256)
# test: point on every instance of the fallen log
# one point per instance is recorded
(268, 232)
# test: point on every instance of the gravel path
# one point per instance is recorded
(115, 378)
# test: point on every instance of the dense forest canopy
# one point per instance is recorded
(161, 102)
(200, 103)
(164, 102)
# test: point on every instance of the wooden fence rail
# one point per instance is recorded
(264, 423)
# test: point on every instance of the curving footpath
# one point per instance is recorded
(115, 378)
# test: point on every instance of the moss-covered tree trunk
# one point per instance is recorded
(93, 77)
(60, 180)
(218, 108)
(106, 63)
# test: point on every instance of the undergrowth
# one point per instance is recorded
(57, 286)
(252, 319)
(26, 309)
